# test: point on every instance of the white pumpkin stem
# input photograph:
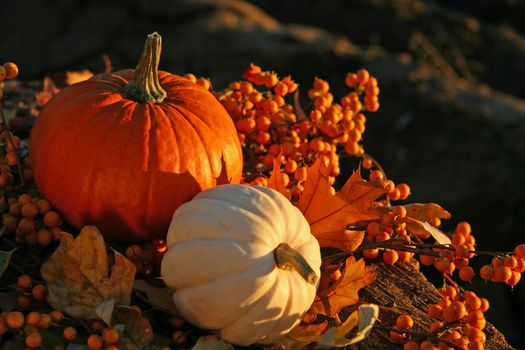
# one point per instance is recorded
(144, 86)
(287, 258)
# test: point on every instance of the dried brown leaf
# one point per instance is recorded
(79, 277)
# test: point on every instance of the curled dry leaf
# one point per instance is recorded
(5, 258)
(426, 211)
(211, 342)
(344, 292)
(138, 333)
(79, 277)
(424, 229)
(160, 297)
(329, 214)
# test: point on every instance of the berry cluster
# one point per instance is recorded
(505, 268)
(29, 292)
(32, 220)
(270, 126)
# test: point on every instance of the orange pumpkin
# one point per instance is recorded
(124, 150)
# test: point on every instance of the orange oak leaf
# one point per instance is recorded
(329, 214)
(306, 333)
(276, 180)
(344, 292)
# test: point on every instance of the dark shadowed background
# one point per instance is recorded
(451, 73)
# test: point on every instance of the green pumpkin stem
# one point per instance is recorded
(144, 86)
(287, 258)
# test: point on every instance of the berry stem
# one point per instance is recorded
(287, 258)
(11, 142)
(144, 86)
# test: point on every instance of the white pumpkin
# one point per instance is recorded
(243, 262)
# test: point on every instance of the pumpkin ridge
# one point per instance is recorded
(218, 204)
(190, 119)
(60, 129)
(266, 300)
(93, 201)
(224, 242)
(181, 164)
(262, 271)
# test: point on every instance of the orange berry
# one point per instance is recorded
(351, 80)
(435, 326)
(463, 228)
(502, 274)
(473, 303)
(510, 261)
(399, 211)
(474, 334)
(442, 264)
(26, 226)
(33, 340)
(45, 320)
(376, 175)
(133, 252)
(404, 191)
(69, 333)
(39, 292)
(435, 311)
(29, 210)
(44, 237)
(476, 319)
(390, 257)
(177, 322)
(466, 273)
(179, 337)
(271, 80)
(95, 341)
(301, 174)
(111, 336)
(398, 336)
(33, 318)
(43, 206)
(476, 345)
(52, 219)
(519, 251)
(10, 69)
(514, 279)
(484, 304)
(56, 315)
(24, 282)
(486, 272)
(15, 319)
(362, 76)
(404, 322)
(426, 260)
(455, 311)
(411, 345)
(371, 254)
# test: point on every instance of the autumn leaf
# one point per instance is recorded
(5, 258)
(426, 211)
(329, 214)
(73, 77)
(211, 342)
(363, 318)
(307, 333)
(424, 229)
(138, 333)
(276, 180)
(159, 297)
(344, 240)
(77, 275)
(344, 292)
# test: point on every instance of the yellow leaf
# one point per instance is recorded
(73, 77)
(77, 275)
(344, 292)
